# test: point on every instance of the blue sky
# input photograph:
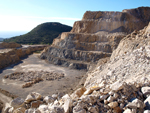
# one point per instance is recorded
(24, 15)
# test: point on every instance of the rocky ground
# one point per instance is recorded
(55, 79)
(33, 77)
(121, 97)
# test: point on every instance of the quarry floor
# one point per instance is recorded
(33, 63)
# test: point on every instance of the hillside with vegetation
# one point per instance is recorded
(42, 34)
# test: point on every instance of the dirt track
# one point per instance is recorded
(33, 63)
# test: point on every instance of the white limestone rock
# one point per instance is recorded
(31, 110)
(89, 99)
(43, 108)
(103, 97)
(139, 103)
(111, 93)
(136, 103)
(115, 95)
(32, 97)
(55, 96)
(17, 102)
(145, 90)
(113, 104)
(88, 91)
(118, 85)
(8, 109)
(147, 111)
(110, 99)
(131, 105)
(127, 111)
(67, 103)
(48, 99)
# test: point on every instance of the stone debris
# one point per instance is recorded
(33, 77)
(49, 99)
(33, 97)
(145, 90)
(88, 103)
(113, 104)
(17, 102)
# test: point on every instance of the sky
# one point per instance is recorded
(24, 15)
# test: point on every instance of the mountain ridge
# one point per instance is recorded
(42, 34)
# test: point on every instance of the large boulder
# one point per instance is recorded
(32, 97)
(17, 102)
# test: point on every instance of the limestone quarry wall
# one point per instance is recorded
(14, 55)
(125, 21)
(98, 32)
(9, 45)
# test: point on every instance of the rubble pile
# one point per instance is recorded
(117, 98)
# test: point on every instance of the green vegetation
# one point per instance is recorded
(42, 34)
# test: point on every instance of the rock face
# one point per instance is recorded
(9, 45)
(94, 37)
(128, 62)
(126, 21)
(14, 55)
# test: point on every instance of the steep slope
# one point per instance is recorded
(94, 37)
(42, 34)
(128, 63)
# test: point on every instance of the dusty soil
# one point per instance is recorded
(33, 63)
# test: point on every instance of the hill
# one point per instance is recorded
(1, 39)
(42, 34)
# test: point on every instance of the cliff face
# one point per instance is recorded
(95, 37)
(128, 63)
(125, 21)
(9, 45)
(12, 56)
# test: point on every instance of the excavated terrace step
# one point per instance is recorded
(102, 41)
(72, 54)
(95, 46)
(84, 37)
(74, 64)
